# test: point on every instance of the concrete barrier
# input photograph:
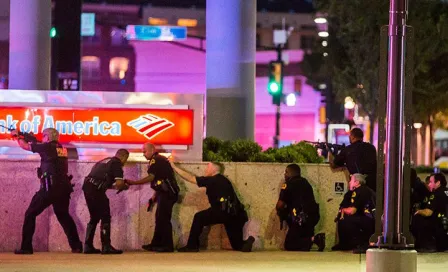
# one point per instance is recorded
(258, 185)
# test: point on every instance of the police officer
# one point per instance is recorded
(225, 209)
(161, 177)
(357, 221)
(55, 190)
(358, 157)
(429, 223)
(300, 210)
(105, 174)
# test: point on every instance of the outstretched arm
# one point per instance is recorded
(184, 174)
(22, 143)
(144, 180)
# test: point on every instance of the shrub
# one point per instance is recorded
(248, 151)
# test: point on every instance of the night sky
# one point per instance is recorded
(299, 6)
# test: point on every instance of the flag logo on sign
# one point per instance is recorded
(150, 125)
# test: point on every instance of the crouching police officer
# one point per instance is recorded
(430, 222)
(161, 177)
(55, 190)
(356, 219)
(297, 206)
(105, 174)
(225, 209)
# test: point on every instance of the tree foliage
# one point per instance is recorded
(354, 51)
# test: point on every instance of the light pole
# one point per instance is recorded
(393, 223)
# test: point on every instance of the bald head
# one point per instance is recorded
(148, 150)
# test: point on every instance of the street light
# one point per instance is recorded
(291, 100)
(323, 34)
(418, 125)
(324, 43)
(349, 103)
(320, 20)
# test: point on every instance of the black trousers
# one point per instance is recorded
(41, 200)
(233, 225)
(298, 238)
(429, 233)
(355, 231)
(163, 233)
(97, 203)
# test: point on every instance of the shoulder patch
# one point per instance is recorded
(153, 161)
(62, 151)
(354, 194)
(284, 186)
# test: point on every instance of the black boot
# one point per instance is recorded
(319, 240)
(107, 248)
(88, 244)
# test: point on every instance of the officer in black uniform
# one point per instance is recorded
(430, 223)
(356, 222)
(358, 157)
(419, 191)
(296, 205)
(105, 174)
(55, 190)
(225, 209)
(161, 177)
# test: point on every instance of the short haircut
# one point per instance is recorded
(220, 167)
(357, 133)
(440, 177)
(360, 178)
(295, 169)
(122, 153)
(53, 134)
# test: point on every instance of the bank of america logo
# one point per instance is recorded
(150, 125)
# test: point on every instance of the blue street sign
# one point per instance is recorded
(156, 33)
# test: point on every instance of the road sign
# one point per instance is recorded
(88, 24)
(156, 33)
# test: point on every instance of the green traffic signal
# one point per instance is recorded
(53, 32)
(273, 87)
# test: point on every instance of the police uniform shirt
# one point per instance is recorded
(360, 197)
(54, 158)
(359, 157)
(437, 202)
(160, 167)
(110, 167)
(217, 187)
(297, 193)
(346, 201)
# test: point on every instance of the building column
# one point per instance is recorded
(230, 65)
(30, 44)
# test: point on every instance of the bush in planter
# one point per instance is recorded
(249, 151)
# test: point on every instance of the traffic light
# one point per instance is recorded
(53, 32)
(275, 85)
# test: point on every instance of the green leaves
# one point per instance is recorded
(249, 151)
(354, 50)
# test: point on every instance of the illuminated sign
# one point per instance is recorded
(87, 24)
(156, 33)
(117, 126)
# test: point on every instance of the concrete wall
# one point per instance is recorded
(257, 184)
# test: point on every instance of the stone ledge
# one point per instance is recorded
(258, 185)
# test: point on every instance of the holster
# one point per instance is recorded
(47, 182)
(230, 207)
(165, 185)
